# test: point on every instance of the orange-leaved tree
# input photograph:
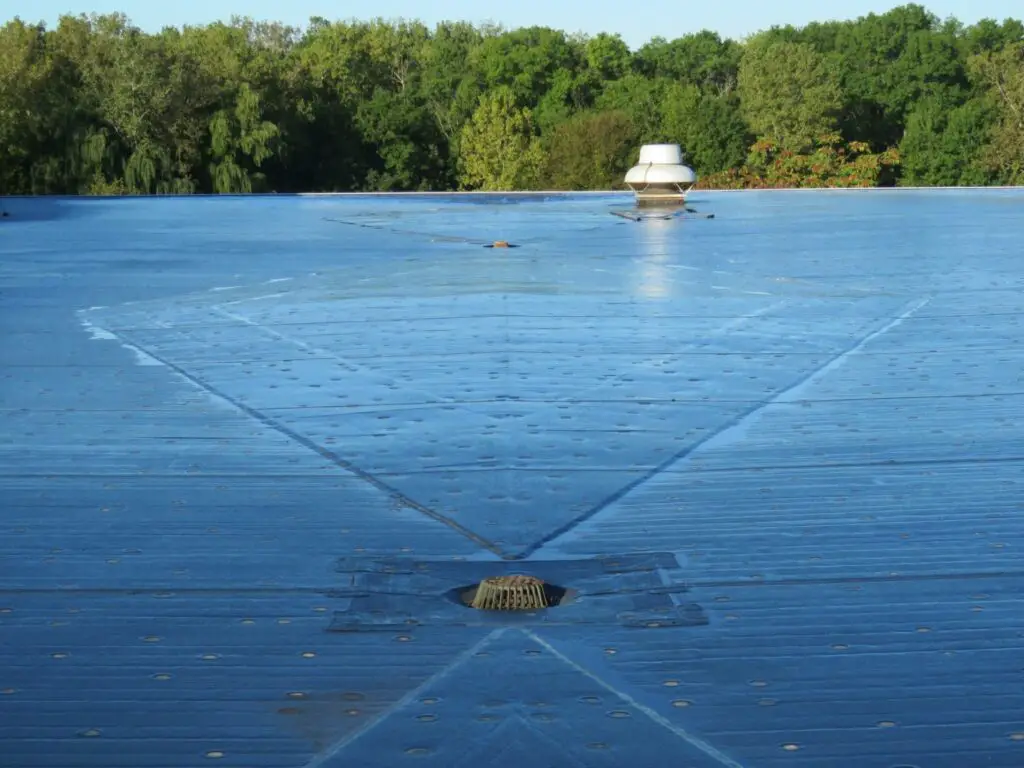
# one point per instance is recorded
(830, 162)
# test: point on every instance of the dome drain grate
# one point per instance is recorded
(513, 593)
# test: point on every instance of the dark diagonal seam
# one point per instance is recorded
(687, 451)
(330, 456)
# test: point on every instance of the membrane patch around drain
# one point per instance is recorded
(515, 592)
(642, 590)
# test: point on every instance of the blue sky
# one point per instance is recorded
(636, 22)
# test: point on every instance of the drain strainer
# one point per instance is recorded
(512, 593)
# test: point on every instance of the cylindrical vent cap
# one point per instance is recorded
(661, 154)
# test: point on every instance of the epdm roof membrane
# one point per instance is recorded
(250, 445)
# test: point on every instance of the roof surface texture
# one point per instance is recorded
(255, 451)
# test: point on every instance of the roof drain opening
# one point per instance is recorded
(512, 593)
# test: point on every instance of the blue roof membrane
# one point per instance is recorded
(222, 413)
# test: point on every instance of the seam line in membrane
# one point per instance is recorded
(694, 741)
(327, 589)
(737, 422)
(331, 752)
(323, 452)
(351, 364)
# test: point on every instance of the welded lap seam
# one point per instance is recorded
(691, 585)
(908, 310)
(483, 316)
(347, 363)
(414, 233)
(351, 365)
(868, 578)
(334, 750)
(732, 324)
(880, 463)
(330, 456)
(694, 741)
(434, 236)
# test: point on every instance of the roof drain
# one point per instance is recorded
(513, 593)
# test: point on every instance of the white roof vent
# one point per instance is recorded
(660, 176)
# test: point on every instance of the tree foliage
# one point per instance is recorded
(944, 146)
(498, 148)
(592, 150)
(1001, 73)
(830, 163)
(96, 105)
(789, 92)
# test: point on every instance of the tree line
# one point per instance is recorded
(97, 106)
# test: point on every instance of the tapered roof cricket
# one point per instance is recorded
(258, 452)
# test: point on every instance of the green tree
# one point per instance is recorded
(240, 141)
(498, 148)
(97, 105)
(943, 144)
(125, 76)
(569, 93)
(1002, 73)
(608, 56)
(449, 87)
(526, 61)
(790, 94)
(702, 59)
(989, 35)
(929, 66)
(709, 127)
(25, 74)
(590, 151)
(641, 99)
(865, 53)
(411, 153)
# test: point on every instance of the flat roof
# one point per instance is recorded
(256, 450)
